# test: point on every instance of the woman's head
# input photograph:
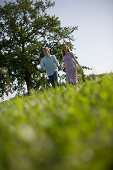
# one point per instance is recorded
(65, 49)
(46, 51)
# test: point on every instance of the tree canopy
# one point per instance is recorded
(25, 28)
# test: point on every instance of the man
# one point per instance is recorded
(51, 65)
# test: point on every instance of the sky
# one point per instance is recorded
(94, 38)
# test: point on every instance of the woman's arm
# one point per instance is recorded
(64, 66)
(79, 66)
(73, 57)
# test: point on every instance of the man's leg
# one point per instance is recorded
(55, 77)
(51, 80)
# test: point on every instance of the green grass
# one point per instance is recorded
(69, 128)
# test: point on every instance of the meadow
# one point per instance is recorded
(66, 128)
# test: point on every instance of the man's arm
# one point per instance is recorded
(42, 66)
(56, 61)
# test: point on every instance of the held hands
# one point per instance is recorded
(59, 67)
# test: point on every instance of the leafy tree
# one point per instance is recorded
(25, 28)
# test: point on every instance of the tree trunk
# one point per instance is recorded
(28, 82)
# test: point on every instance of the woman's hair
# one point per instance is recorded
(47, 48)
(63, 52)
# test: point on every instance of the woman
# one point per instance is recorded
(71, 71)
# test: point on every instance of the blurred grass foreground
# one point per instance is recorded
(69, 128)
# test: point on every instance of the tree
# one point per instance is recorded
(25, 28)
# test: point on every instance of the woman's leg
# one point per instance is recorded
(72, 76)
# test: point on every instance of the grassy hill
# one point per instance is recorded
(69, 128)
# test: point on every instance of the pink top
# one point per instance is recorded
(68, 59)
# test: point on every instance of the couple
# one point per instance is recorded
(51, 65)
